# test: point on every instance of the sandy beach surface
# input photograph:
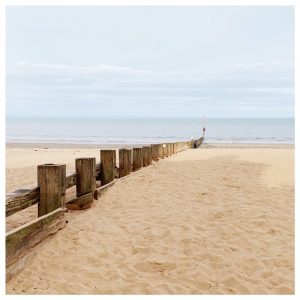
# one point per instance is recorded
(214, 220)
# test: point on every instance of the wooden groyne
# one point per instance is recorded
(90, 179)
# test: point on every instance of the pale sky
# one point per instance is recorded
(150, 61)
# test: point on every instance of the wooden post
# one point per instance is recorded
(52, 183)
(154, 150)
(137, 158)
(124, 162)
(165, 150)
(86, 172)
(169, 149)
(108, 164)
(160, 151)
(85, 184)
(147, 156)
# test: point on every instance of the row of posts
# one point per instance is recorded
(52, 177)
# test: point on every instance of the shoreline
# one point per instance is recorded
(29, 145)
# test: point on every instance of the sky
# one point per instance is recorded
(150, 61)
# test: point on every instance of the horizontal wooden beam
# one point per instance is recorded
(22, 201)
(71, 180)
(99, 191)
(80, 203)
(20, 241)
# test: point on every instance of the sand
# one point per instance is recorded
(214, 220)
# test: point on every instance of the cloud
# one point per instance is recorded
(104, 89)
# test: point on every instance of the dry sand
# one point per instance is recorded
(206, 221)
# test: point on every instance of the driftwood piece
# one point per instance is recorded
(21, 201)
(20, 241)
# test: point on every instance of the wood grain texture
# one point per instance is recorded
(20, 241)
(52, 184)
(86, 175)
(124, 162)
(22, 201)
(147, 156)
(154, 151)
(160, 151)
(137, 158)
(108, 164)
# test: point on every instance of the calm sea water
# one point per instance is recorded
(148, 130)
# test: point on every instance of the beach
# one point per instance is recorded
(213, 220)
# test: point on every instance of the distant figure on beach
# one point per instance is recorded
(203, 131)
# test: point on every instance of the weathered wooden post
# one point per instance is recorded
(52, 183)
(160, 151)
(85, 184)
(154, 150)
(86, 171)
(147, 156)
(169, 149)
(108, 164)
(124, 162)
(165, 150)
(137, 158)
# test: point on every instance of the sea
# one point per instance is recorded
(91, 130)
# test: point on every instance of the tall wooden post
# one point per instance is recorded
(85, 171)
(154, 150)
(165, 150)
(124, 162)
(169, 149)
(147, 156)
(160, 151)
(85, 184)
(137, 158)
(108, 164)
(52, 183)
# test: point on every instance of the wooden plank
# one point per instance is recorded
(71, 180)
(52, 184)
(102, 189)
(82, 202)
(124, 162)
(21, 241)
(22, 201)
